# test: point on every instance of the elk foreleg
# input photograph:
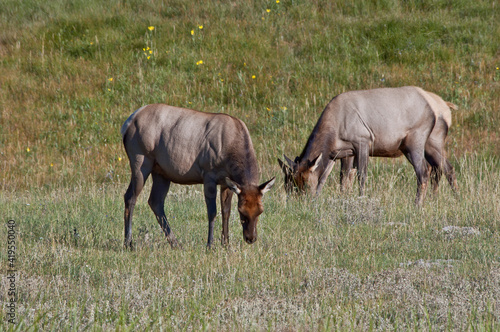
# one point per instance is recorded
(210, 190)
(225, 199)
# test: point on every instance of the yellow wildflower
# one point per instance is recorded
(200, 27)
(51, 165)
(192, 32)
(268, 10)
(110, 79)
(253, 77)
(277, 1)
(28, 150)
(151, 28)
(119, 158)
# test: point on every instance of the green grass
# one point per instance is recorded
(71, 72)
(337, 262)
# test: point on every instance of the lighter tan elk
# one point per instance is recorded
(189, 147)
(386, 122)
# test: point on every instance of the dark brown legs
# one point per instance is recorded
(156, 202)
(141, 169)
(226, 196)
(139, 175)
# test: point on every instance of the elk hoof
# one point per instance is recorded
(128, 245)
(174, 244)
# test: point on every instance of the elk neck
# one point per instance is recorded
(319, 142)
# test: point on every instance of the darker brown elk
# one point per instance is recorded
(189, 147)
(387, 122)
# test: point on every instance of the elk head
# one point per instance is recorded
(250, 206)
(305, 175)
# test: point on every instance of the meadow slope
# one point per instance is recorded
(71, 72)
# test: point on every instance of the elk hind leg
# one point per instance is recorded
(434, 158)
(156, 202)
(138, 178)
(449, 171)
(422, 170)
(440, 164)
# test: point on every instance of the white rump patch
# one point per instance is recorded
(129, 120)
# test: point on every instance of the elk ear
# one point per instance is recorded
(313, 165)
(289, 161)
(285, 168)
(233, 186)
(266, 186)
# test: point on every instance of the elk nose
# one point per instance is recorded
(250, 240)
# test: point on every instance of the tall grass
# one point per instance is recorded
(338, 262)
(71, 72)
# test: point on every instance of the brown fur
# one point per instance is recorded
(385, 122)
(189, 147)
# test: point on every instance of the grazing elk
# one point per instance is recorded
(386, 122)
(190, 147)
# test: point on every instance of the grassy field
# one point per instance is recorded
(71, 72)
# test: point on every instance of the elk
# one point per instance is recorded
(190, 147)
(385, 122)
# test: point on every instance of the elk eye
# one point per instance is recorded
(243, 218)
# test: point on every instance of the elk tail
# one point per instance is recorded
(452, 106)
(129, 121)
